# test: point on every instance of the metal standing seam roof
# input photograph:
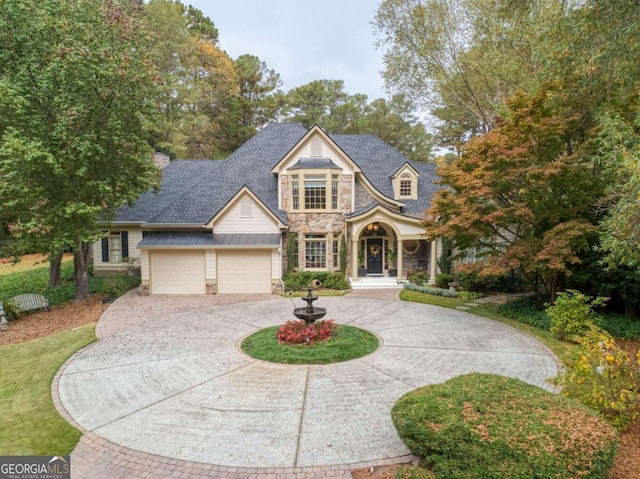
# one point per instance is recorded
(206, 239)
(314, 164)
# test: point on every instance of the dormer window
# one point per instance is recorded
(405, 183)
(405, 187)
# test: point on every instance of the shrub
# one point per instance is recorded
(525, 310)
(443, 280)
(621, 326)
(447, 293)
(476, 277)
(337, 281)
(468, 275)
(300, 280)
(299, 332)
(605, 377)
(418, 277)
(469, 295)
(486, 426)
(572, 315)
(11, 310)
(116, 286)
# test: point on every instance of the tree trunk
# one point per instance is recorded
(81, 256)
(55, 265)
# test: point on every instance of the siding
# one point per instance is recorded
(276, 264)
(210, 265)
(135, 236)
(327, 152)
(233, 222)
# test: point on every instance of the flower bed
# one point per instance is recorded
(299, 332)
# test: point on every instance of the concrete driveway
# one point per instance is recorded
(167, 378)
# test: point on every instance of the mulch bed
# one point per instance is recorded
(60, 318)
(76, 314)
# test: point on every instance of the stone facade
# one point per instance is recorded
(363, 199)
(420, 260)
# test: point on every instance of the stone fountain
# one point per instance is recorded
(309, 313)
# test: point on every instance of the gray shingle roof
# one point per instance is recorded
(194, 191)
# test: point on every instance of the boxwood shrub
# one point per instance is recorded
(300, 280)
(484, 426)
(447, 293)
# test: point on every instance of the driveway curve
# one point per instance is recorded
(167, 378)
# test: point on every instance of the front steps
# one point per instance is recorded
(376, 282)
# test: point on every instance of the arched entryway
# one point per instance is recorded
(377, 250)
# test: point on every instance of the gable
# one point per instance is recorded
(244, 214)
(316, 144)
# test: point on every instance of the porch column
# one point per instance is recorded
(354, 257)
(399, 258)
(434, 262)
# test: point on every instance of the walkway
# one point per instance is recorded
(167, 394)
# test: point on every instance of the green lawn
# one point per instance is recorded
(29, 423)
(318, 292)
(418, 297)
(348, 343)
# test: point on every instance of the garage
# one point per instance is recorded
(244, 271)
(177, 272)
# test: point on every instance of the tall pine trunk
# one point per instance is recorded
(55, 265)
(81, 257)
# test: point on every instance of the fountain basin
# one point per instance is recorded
(309, 316)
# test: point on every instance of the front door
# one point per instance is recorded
(374, 256)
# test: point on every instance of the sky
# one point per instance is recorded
(303, 40)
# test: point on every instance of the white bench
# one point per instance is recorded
(29, 302)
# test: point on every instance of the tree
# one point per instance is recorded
(395, 123)
(196, 78)
(462, 59)
(76, 87)
(325, 103)
(523, 192)
(258, 100)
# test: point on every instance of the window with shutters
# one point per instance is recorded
(115, 247)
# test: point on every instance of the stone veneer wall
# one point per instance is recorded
(363, 198)
(420, 260)
(331, 224)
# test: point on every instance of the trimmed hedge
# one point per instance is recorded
(525, 310)
(447, 293)
(484, 426)
(300, 280)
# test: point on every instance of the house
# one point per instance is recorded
(223, 226)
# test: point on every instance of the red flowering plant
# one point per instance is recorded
(299, 332)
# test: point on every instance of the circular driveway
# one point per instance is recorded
(167, 378)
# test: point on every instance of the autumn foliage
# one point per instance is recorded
(524, 192)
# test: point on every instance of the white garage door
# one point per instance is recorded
(244, 271)
(177, 272)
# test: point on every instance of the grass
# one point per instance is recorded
(348, 343)
(29, 423)
(28, 262)
(417, 297)
(485, 425)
